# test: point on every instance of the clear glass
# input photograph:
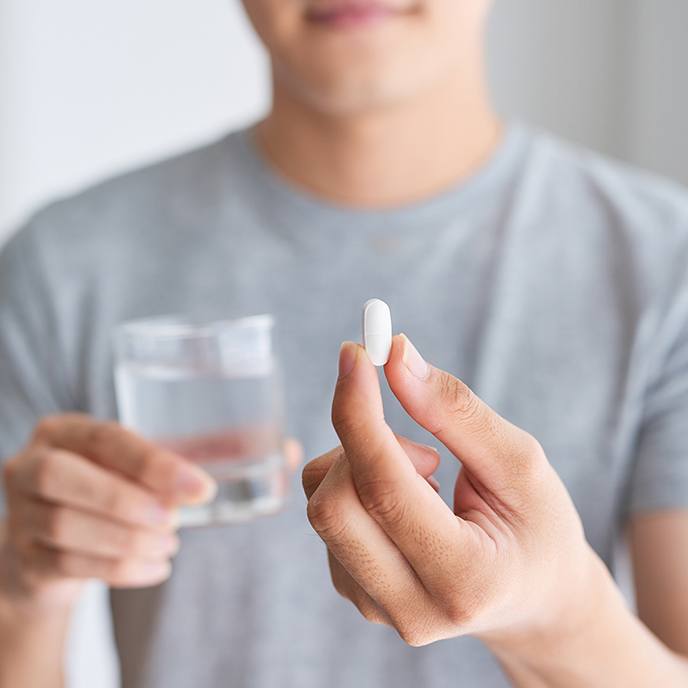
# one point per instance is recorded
(212, 392)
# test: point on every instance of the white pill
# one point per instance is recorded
(377, 331)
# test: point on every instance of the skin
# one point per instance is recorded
(357, 112)
(508, 564)
(85, 499)
(660, 560)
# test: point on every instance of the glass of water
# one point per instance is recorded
(211, 391)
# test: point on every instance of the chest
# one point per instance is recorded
(539, 356)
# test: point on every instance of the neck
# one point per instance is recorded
(387, 157)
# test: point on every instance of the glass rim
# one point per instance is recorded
(174, 326)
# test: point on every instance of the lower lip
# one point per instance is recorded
(352, 18)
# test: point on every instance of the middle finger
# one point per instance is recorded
(363, 548)
(80, 531)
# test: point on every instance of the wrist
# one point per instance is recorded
(597, 641)
(29, 628)
(22, 600)
(575, 613)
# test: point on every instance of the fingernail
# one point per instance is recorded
(196, 484)
(433, 482)
(413, 360)
(348, 353)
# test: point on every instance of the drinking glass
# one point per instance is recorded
(212, 392)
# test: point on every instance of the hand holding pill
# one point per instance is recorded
(509, 559)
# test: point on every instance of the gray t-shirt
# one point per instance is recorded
(553, 282)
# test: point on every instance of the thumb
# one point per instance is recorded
(496, 452)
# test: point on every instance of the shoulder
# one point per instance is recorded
(642, 206)
(609, 218)
(619, 233)
(132, 204)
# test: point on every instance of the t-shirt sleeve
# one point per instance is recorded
(660, 476)
(31, 371)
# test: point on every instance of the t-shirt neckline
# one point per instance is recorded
(299, 204)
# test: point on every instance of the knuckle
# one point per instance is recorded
(46, 427)
(44, 471)
(344, 421)
(530, 460)
(458, 398)
(26, 555)
(413, 635)
(341, 588)
(147, 461)
(370, 612)
(311, 474)
(314, 471)
(62, 562)
(342, 581)
(455, 393)
(9, 471)
(461, 610)
(308, 477)
(326, 517)
(533, 451)
(382, 501)
(56, 525)
(102, 434)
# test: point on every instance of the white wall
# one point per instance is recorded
(561, 63)
(606, 73)
(657, 103)
(89, 88)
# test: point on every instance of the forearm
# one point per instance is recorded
(612, 648)
(32, 636)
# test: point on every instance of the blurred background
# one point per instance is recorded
(89, 89)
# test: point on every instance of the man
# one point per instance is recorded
(552, 282)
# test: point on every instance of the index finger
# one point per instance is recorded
(114, 447)
(60, 477)
(415, 518)
(501, 455)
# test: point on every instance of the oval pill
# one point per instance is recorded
(377, 331)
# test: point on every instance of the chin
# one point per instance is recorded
(359, 98)
(350, 95)
(345, 56)
(350, 85)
